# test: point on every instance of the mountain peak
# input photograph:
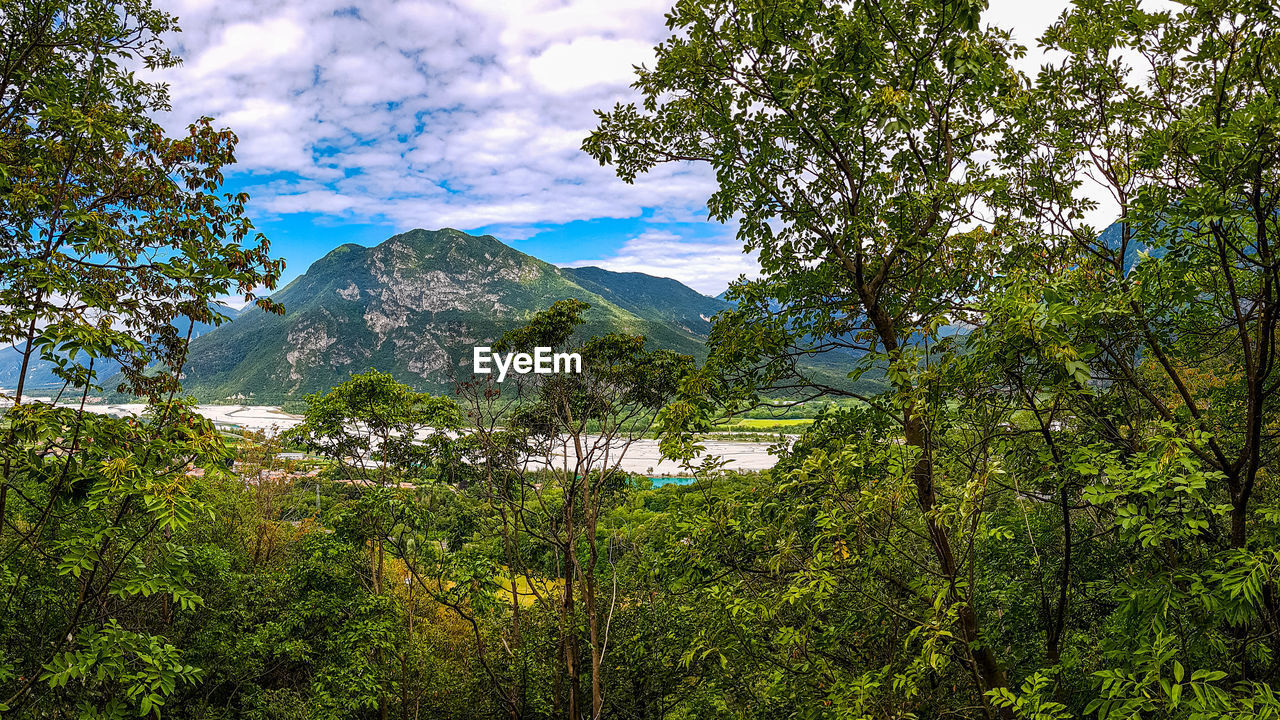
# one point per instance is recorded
(448, 245)
(415, 304)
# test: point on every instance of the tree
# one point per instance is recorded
(384, 437)
(1080, 419)
(1190, 156)
(1169, 317)
(847, 142)
(378, 432)
(554, 467)
(114, 236)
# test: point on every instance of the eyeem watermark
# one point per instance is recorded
(541, 362)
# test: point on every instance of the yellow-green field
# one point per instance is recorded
(764, 423)
(527, 596)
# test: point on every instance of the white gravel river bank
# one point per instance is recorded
(642, 457)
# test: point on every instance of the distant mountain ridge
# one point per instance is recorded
(655, 298)
(415, 306)
(41, 378)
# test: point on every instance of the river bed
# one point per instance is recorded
(642, 457)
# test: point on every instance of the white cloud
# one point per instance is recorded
(588, 62)
(465, 113)
(707, 266)
(250, 45)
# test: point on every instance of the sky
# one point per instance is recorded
(359, 121)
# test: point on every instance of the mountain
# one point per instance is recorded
(653, 298)
(40, 377)
(1113, 237)
(415, 305)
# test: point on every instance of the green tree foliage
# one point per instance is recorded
(846, 141)
(549, 449)
(115, 241)
(382, 435)
(376, 430)
(1060, 502)
(112, 230)
(1055, 512)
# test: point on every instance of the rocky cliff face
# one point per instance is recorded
(415, 306)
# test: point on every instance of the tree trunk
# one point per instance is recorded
(987, 672)
(593, 618)
(566, 612)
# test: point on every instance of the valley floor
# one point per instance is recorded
(642, 457)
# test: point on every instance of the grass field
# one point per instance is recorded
(763, 423)
(527, 597)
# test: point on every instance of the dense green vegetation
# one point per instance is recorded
(1059, 502)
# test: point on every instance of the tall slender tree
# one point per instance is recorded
(848, 144)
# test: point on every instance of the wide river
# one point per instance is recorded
(642, 457)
